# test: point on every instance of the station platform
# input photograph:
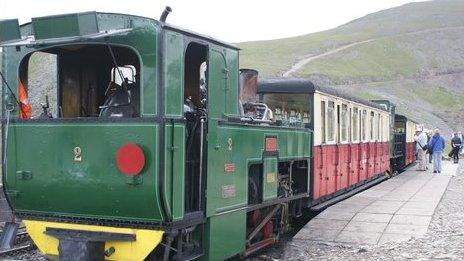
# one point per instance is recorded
(394, 210)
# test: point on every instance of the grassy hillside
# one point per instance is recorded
(275, 56)
(412, 55)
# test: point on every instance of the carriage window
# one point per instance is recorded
(330, 121)
(386, 128)
(85, 82)
(355, 131)
(344, 122)
(372, 122)
(378, 127)
(364, 125)
(323, 121)
(289, 109)
(400, 127)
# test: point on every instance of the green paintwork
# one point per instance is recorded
(174, 169)
(79, 24)
(42, 177)
(174, 73)
(270, 178)
(247, 147)
(91, 187)
(9, 30)
(226, 235)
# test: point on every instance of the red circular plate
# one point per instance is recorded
(130, 159)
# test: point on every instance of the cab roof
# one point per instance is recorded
(85, 25)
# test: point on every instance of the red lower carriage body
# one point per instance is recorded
(410, 153)
(344, 166)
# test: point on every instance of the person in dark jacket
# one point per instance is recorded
(429, 137)
(456, 144)
(437, 145)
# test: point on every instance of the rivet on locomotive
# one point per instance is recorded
(140, 140)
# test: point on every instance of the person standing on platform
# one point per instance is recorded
(436, 146)
(456, 144)
(429, 137)
(462, 141)
(421, 148)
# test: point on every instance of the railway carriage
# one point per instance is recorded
(401, 132)
(149, 144)
(351, 135)
(404, 137)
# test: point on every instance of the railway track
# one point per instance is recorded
(22, 242)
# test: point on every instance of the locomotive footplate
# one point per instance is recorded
(82, 245)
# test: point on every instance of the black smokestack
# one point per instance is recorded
(165, 14)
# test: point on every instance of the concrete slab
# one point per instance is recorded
(388, 203)
(358, 237)
(325, 235)
(346, 207)
(415, 211)
(372, 217)
(371, 227)
(388, 238)
(360, 200)
(327, 223)
(407, 229)
(336, 215)
(426, 205)
(380, 209)
(411, 220)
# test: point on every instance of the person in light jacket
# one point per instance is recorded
(436, 146)
(421, 148)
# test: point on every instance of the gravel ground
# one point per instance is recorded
(444, 240)
(30, 255)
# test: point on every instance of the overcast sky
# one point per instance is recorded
(232, 20)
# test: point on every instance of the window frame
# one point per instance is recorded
(331, 122)
(378, 134)
(372, 126)
(355, 135)
(364, 125)
(323, 121)
(344, 123)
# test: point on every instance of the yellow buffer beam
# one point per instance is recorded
(146, 240)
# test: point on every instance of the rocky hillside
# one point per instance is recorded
(412, 55)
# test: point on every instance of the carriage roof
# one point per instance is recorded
(299, 85)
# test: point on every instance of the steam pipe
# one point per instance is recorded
(165, 14)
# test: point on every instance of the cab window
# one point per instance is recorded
(78, 81)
